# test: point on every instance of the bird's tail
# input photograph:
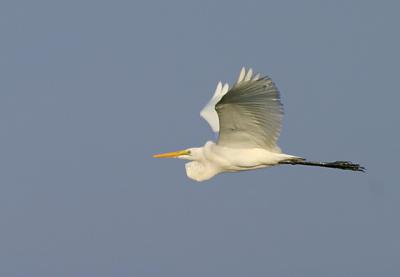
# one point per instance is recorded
(337, 164)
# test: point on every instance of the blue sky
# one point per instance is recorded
(91, 89)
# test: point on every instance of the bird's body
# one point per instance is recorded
(212, 159)
(247, 118)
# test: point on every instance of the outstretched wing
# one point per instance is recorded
(208, 112)
(250, 113)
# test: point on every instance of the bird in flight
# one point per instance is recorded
(247, 118)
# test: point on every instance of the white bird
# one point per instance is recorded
(247, 118)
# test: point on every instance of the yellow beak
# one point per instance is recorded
(172, 154)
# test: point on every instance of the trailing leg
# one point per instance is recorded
(345, 165)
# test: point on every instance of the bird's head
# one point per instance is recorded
(198, 169)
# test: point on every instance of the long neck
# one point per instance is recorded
(202, 166)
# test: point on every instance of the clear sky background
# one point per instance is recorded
(89, 90)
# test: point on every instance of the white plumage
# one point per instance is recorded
(208, 112)
(247, 118)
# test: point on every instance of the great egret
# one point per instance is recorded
(248, 119)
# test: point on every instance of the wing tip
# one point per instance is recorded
(248, 75)
(242, 74)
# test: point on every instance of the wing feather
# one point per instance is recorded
(258, 75)
(241, 75)
(250, 114)
(248, 75)
(208, 112)
(247, 115)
